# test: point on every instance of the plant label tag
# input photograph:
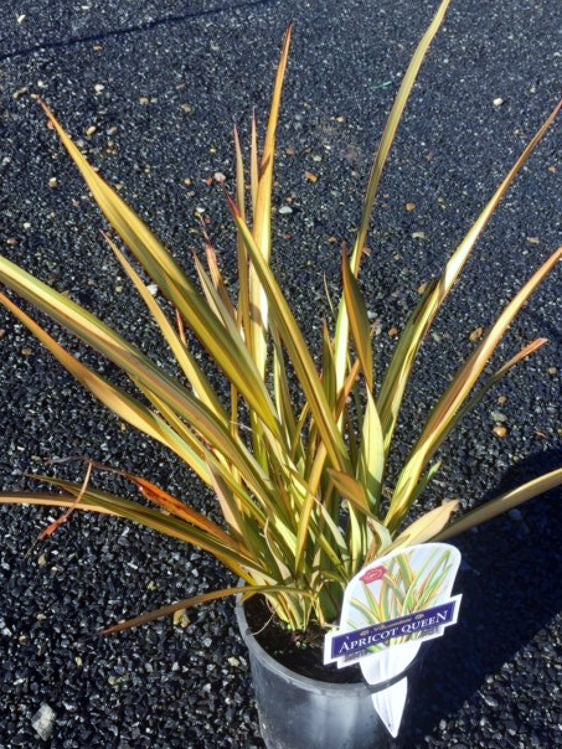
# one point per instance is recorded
(403, 597)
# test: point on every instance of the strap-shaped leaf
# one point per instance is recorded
(123, 405)
(359, 321)
(502, 504)
(352, 490)
(200, 384)
(425, 528)
(176, 507)
(98, 335)
(298, 351)
(499, 374)
(95, 500)
(370, 468)
(244, 591)
(379, 163)
(229, 352)
(261, 229)
(398, 373)
(442, 417)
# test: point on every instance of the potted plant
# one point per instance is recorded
(298, 458)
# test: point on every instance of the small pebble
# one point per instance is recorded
(410, 207)
(43, 721)
(152, 288)
(219, 177)
(552, 371)
(98, 88)
(418, 235)
(91, 130)
(393, 332)
(476, 334)
(53, 182)
(498, 101)
(500, 431)
(490, 701)
(181, 619)
(26, 351)
(285, 210)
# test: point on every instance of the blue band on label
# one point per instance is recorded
(376, 634)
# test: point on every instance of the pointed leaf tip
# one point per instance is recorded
(232, 206)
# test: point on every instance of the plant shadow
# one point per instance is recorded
(140, 27)
(506, 600)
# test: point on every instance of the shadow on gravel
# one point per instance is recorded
(133, 29)
(507, 600)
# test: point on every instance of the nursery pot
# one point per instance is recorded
(296, 711)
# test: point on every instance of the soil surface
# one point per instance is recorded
(301, 652)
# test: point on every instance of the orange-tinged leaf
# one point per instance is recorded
(358, 321)
(261, 228)
(351, 489)
(244, 591)
(228, 351)
(176, 507)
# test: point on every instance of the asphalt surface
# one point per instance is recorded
(162, 82)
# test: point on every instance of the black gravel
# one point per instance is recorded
(175, 75)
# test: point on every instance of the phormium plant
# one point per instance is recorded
(300, 489)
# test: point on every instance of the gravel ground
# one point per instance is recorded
(161, 83)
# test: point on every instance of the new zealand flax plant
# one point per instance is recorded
(300, 488)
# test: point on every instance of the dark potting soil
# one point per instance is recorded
(301, 652)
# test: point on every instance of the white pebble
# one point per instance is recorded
(498, 101)
(43, 721)
(285, 210)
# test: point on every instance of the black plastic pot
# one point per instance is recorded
(296, 712)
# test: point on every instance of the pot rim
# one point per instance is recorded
(304, 682)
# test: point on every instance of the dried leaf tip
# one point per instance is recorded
(232, 206)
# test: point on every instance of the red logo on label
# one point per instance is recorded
(377, 573)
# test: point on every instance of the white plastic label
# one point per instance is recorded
(398, 599)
